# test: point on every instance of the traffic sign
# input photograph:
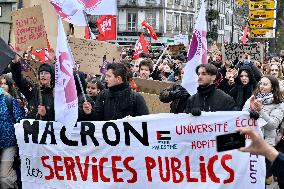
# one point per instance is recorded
(262, 14)
(262, 5)
(262, 23)
(265, 33)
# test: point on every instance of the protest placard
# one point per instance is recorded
(155, 105)
(153, 151)
(151, 86)
(175, 49)
(231, 51)
(29, 28)
(89, 53)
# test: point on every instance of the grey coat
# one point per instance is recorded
(270, 117)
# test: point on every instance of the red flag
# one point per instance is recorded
(107, 28)
(140, 47)
(42, 54)
(87, 33)
(150, 30)
(244, 37)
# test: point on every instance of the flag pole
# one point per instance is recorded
(164, 51)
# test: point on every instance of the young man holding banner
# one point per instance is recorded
(118, 101)
(208, 98)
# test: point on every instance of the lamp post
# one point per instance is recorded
(233, 7)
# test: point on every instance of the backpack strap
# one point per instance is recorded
(9, 103)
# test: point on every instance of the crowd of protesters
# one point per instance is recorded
(231, 85)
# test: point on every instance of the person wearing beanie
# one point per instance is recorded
(39, 96)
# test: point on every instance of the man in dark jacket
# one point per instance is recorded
(40, 98)
(118, 101)
(177, 95)
(208, 98)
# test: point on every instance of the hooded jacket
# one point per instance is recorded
(7, 120)
(242, 92)
(32, 93)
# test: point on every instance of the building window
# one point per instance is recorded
(227, 18)
(222, 8)
(191, 3)
(184, 3)
(170, 2)
(132, 21)
(169, 22)
(190, 23)
(0, 11)
(177, 2)
(176, 22)
(221, 23)
(132, 2)
(151, 18)
(183, 23)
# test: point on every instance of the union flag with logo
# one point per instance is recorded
(107, 28)
(140, 47)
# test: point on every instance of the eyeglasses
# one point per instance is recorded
(44, 73)
(275, 70)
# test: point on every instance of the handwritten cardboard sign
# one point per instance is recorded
(155, 105)
(151, 86)
(29, 28)
(89, 53)
(232, 51)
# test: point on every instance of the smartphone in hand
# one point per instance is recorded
(230, 141)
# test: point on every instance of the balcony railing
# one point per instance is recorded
(124, 28)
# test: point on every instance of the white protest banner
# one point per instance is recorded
(181, 39)
(154, 151)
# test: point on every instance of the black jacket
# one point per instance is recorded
(241, 92)
(224, 86)
(118, 102)
(82, 116)
(277, 167)
(210, 99)
(178, 104)
(31, 93)
(257, 74)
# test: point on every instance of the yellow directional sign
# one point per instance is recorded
(262, 14)
(262, 5)
(262, 24)
(262, 33)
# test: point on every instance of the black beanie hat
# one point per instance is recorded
(48, 68)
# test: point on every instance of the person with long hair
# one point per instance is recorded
(277, 71)
(11, 113)
(245, 84)
(267, 103)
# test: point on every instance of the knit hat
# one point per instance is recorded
(48, 68)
